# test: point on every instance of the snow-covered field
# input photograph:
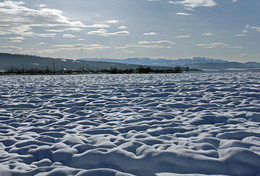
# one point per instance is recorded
(145, 125)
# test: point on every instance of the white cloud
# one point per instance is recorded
(213, 45)
(257, 28)
(18, 19)
(74, 47)
(183, 36)
(216, 45)
(54, 30)
(235, 47)
(234, 0)
(122, 27)
(63, 30)
(68, 36)
(9, 48)
(150, 33)
(11, 3)
(241, 35)
(149, 44)
(42, 5)
(112, 21)
(161, 42)
(190, 9)
(14, 38)
(183, 14)
(103, 32)
(208, 34)
(97, 26)
(195, 3)
(73, 29)
(50, 35)
(129, 51)
(16, 41)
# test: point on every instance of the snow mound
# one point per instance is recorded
(113, 125)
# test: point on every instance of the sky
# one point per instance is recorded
(118, 29)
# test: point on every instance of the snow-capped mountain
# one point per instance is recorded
(160, 62)
(195, 62)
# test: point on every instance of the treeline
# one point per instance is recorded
(145, 70)
(47, 71)
(139, 70)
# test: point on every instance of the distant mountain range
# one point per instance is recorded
(160, 62)
(195, 62)
(26, 62)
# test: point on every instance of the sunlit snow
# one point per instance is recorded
(153, 124)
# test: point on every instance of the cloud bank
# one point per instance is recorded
(20, 20)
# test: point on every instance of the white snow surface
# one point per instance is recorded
(145, 125)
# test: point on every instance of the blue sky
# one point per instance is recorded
(171, 29)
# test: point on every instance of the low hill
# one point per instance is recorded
(17, 62)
